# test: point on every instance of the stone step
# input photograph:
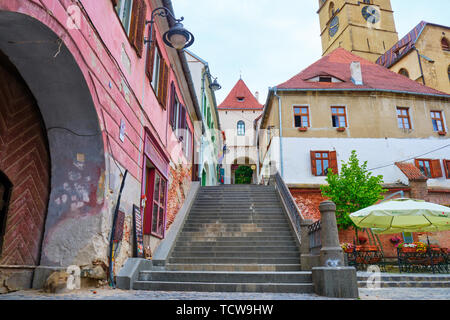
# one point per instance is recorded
(224, 287)
(227, 277)
(232, 228)
(234, 234)
(234, 260)
(234, 267)
(234, 243)
(250, 239)
(407, 284)
(233, 220)
(244, 248)
(236, 254)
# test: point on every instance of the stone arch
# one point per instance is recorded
(243, 161)
(404, 72)
(53, 70)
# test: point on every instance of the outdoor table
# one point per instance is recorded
(361, 257)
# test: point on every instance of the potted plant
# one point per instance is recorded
(347, 247)
(362, 239)
(407, 247)
(395, 240)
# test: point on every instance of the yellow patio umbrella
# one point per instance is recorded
(403, 215)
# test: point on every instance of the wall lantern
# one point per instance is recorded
(215, 86)
(177, 37)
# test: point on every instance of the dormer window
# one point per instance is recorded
(325, 79)
(240, 99)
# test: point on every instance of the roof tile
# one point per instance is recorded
(246, 99)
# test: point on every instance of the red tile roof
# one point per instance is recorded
(411, 171)
(240, 98)
(404, 46)
(375, 77)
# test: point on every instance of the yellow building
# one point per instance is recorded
(423, 55)
(366, 28)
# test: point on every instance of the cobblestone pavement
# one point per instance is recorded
(117, 294)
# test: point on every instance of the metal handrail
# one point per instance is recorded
(293, 211)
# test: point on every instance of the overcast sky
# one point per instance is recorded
(270, 41)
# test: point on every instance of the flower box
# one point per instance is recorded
(442, 133)
(303, 129)
(408, 249)
(341, 129)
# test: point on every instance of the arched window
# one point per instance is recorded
(241, 128)
(404, 72)
(331, 10)
(444, 44)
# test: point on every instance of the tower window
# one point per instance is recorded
(241, 128)
(404, 72)
(331, 10)
(444, 44)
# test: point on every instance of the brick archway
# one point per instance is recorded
(25, 162)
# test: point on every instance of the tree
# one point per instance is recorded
(353, 189)
(243, 175)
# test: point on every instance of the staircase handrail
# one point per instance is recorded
(294, 212)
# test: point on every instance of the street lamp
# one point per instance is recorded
(215, 86)
(177, 37)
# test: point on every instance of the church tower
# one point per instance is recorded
(365, 28)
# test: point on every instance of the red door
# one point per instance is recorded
(155, 209)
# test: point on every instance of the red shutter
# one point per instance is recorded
(137, 26)
(151, 55)
(446, 164)
(436, 171)
(162, 86)
(333, 162)
(172, 105)
(313, 163)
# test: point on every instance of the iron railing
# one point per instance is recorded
(315, 243)
(293, 211)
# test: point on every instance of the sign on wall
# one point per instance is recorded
(138, 233)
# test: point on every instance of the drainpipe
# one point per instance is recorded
(280, 134)
(420, 65)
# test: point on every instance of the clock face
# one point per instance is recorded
(334, 26)
(371, 14)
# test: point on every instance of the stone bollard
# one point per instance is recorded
(331, 254)
(332, 278)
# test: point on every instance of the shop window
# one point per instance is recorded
(241, 128)
(338, 117)
(5, 194)
(301, 117)
(322, 161)
(429, 167)
(404, 121)
(438, 121)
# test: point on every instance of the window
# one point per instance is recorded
(331, 11)
(132, 14)
(444, 44)
(325, 79)
(338, 117)
(158, 203)
(404, 121)
(429, 168)
(241, 128)
(187, 146)
(158, 73)
(408, 237)
(301, 117)
(123, 8)
(321, 161)
(241, 99)
(404, 72)
(437, 120)
(447, 168)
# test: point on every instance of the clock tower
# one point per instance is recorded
(365, 28)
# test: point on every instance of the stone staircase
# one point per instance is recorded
(236, 239)
(406, 280)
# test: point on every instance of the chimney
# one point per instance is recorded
(356, 73)
(257, 95)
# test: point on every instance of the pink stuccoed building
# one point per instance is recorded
(83, 100)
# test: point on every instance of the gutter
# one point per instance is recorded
(281, 133)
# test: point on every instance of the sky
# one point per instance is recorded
(268, 42)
